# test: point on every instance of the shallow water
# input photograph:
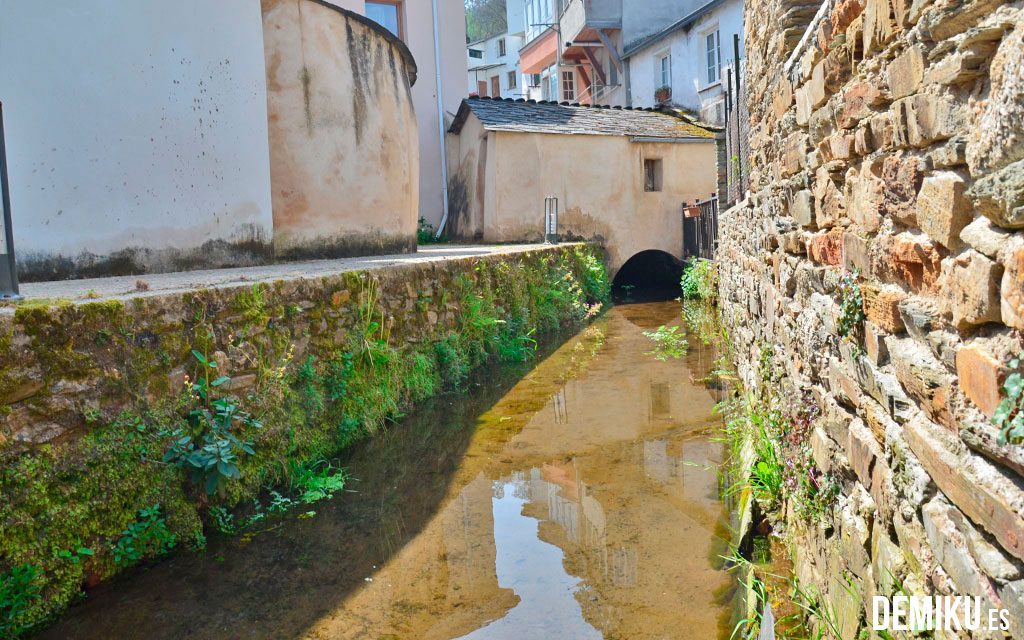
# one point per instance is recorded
(575, 499)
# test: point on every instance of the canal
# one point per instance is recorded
(575, 498)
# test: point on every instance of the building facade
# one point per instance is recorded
(682, 52)
(620, 175)
(233, 138)
(412, 21)
(494, 67)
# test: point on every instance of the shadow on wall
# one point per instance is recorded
(648, 275)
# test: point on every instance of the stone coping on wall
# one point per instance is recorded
(129, 287)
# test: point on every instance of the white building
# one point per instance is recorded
(494, 67)
(680, 51)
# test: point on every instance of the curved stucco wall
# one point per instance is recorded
(344, 146)
(136, 135)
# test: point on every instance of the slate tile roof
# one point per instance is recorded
(529, 116)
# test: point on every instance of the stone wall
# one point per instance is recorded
(94, 396)
(888, 160)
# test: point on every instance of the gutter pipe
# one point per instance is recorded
(440, 123)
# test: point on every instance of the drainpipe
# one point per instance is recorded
(440, 123)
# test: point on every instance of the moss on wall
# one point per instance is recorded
(96, 394)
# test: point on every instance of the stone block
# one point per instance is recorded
(885, 389)
(783, 98)
(971, 294)
(829, 201)
(902, 175)
(922, 119)
(816, 94)
(826, 247)
(881, 306)
(862, 451)
(942, 208)
(856, 253)
(923, 377)
(912, 259)
(1000, 195)
(996, 137)
(878, 25)
(984, 495)
(882, 491)
(1011, 297)
(951, 551)
(822, 450)
(981, 376)
(794, 153)
(986, 238)
(844, 14)
(919, 316)
(906, 72)
(951, 154)
(801, 208)
(874, 344)
(859, 100)
(865, 195)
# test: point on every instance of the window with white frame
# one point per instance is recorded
(512, 80)
(538, 16)
(568, 86)
(713, 50)
(664, 70)
(501, 48)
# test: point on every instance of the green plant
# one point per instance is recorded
(147, 537)
(766, 475)
(318, 481)
(850, 323)
(700, 280)
(452, 363)
(19, 591)
(669, 342)
(425, 232)
(210, 449)
(1009, 416)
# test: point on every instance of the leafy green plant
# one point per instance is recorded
(850, 323)
(670, 343)
(147, 537)
(318, 481)
(209, 450)
(700, 280)
(1009, 416)
(425, 232)
(766, 475)
(19, 591)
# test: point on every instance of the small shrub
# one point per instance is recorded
(425, 232)
(318, 481)
(1009, 416)
(700, 280)
(147, 537)
(451, 362)
(19, 591)
(850, 323)
(670, 343)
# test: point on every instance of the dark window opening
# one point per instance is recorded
(652, 175)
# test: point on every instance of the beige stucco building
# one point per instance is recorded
(620, 175)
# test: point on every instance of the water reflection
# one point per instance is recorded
(580, 502)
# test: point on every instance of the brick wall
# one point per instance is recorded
(887, 140)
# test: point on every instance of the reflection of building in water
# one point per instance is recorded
(686, 466)
(661, 401)
(558, 403)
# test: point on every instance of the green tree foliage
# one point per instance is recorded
(485, 18)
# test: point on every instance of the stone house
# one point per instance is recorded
(620, 175)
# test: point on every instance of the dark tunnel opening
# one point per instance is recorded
(649, 275)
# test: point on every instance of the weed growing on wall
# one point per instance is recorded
(700, 280)
(19, 594)
(850, 323)
(1009, 416)
(147, 537)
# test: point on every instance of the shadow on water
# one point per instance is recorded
(278, 583)
(576, 497)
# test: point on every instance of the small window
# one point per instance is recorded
(534, 80)
(512, 80)
(476, 53)
(652, 175)
(568, 86)
(665, 70)
(501, 48)
(713, 48)
(386, 14)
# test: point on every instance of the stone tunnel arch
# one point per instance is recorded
(652, 273)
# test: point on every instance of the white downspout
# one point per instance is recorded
(440, 122)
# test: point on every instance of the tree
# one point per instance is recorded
(485, 18)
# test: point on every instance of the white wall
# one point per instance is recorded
(492, 56)
(134, 124)
(690, 88)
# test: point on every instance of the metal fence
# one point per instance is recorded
(700, 229)
(737, 129)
